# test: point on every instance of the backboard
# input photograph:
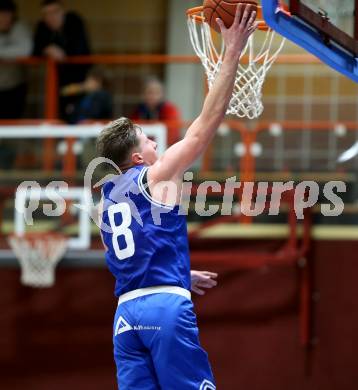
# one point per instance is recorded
(327, 29)
(35, 198)
(27, 197)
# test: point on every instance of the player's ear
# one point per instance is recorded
(137, 158)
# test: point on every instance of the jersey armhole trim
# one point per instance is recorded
(145, 193)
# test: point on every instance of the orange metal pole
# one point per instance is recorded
(51, 112)
(247, 165)
(157, 59)
(69, 160)
(165, 59)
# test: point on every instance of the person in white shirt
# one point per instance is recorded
(15, 42)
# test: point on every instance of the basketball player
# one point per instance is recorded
(155, 334)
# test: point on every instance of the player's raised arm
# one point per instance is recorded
(179, 157)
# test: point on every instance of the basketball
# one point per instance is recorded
(225, 10)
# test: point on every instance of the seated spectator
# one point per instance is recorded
(15, 42)
(155, 107)
(60, 34)
(96, 101)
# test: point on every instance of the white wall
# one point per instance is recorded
(185, 82)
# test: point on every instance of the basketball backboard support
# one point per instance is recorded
(327, 29)
(27, 141)
(157, 131)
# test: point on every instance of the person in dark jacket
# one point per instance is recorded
(95, 100)
(59, 34)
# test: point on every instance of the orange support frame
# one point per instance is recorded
(294, 251)
(246, 164)
(52, 93)
(51, 111)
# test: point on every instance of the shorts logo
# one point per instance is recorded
(207, 385)
(122, 326)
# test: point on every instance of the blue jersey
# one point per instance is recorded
(147, 242)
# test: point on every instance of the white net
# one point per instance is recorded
(246, 100)
(38, 256)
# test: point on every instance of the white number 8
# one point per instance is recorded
(121, 230)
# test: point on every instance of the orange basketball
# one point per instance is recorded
(225, 10)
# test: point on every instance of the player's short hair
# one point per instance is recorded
(117, 140)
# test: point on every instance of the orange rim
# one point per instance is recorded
(39, 236)
(195, 13)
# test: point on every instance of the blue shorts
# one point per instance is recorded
(156, 345)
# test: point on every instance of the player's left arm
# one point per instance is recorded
(180, 156)
(202, 280)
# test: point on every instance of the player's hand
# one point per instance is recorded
(244, 25)
(201, 280)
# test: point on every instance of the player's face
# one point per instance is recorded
(147, 149)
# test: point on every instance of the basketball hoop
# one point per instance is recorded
(38, 254)
(246, 100)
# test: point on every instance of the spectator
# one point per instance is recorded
(15, 42)
(96, 101)
(155, 107)
(60, 34)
